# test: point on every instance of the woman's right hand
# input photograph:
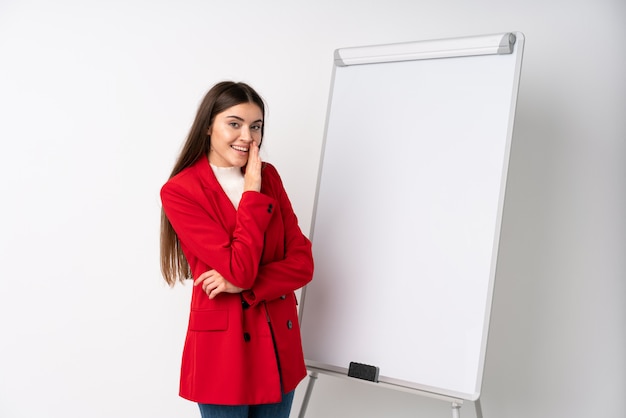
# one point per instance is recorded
(252, 178)
(213, 283)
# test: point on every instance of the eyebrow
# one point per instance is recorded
(242, 119)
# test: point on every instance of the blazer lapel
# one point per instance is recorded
(221, 206)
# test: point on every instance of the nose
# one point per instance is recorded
(246, 134)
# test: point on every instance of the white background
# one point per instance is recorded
(97, 97)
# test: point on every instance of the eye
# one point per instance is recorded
(234, 124)
(256, 127)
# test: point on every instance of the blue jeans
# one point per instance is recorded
(270, 410)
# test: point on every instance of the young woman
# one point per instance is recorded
(228, 224)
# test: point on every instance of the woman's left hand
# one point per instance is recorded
(213, 283)
(252, 178)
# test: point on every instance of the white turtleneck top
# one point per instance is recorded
(231, 180)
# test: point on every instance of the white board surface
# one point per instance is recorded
(407, 219)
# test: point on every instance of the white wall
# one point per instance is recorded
(95, 101)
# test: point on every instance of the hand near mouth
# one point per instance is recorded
(252, 178)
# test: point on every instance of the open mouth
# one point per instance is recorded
(238, 148)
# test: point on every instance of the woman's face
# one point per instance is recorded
(232, 132)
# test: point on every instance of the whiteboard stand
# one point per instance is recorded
(307, 394)
(411, 192)
(479, 409)
(313, 376)
(456, 410)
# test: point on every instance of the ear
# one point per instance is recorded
(208, 132)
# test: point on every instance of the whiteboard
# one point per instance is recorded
(408, 211)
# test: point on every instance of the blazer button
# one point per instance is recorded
(283, 297)
(289, 324)
(246, 336)
(269, 208)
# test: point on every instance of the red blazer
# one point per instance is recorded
(236, 355)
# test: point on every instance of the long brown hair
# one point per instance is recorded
(223, 95)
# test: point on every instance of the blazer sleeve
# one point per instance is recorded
(203, 236)
(295, 270)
